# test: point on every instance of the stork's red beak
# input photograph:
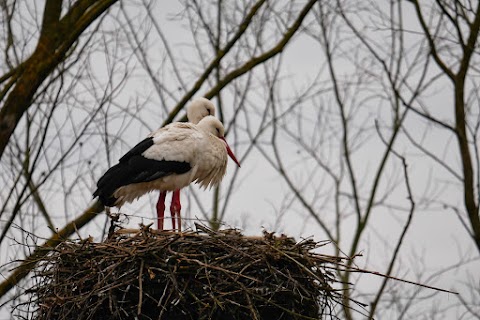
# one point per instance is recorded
(230, 152)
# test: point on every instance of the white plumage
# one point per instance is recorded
(199, 109)
(168, 160)
(196, 111)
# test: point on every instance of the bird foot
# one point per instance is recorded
(114, 217)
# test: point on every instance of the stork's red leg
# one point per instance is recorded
(161, 209)
(175, 208)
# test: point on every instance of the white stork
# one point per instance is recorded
(196, 111)
(169, 159)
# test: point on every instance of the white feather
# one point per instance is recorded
(183, 142)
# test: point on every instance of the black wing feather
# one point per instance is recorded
(138, 149)
(135, 168)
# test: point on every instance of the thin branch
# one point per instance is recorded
(22, 270)
(280, 168)
(345, 122)
(373, 305)
(431, 41)
(49, 53)
(206, 73)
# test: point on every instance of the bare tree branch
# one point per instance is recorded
(22, 270)
(50, 51)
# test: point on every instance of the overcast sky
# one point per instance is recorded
(261, 199)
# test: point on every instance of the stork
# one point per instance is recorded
(196, 111)
(169, 159)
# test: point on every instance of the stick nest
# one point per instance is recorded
(193, 275)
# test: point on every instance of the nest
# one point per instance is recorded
(194, 275)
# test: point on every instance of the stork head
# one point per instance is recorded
(199, 109)
(213, 126)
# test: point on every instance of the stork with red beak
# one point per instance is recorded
(196, 111)
(169, 159)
